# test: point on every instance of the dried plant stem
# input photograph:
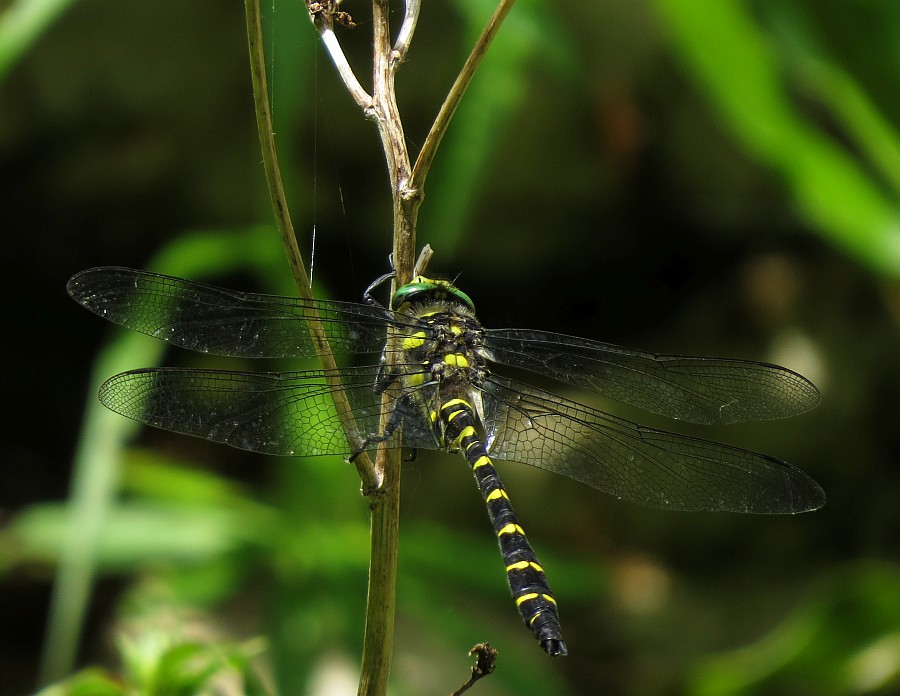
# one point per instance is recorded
(407, 195)
(286, 228)
(385, 522)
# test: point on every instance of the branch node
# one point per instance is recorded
(409, 193)
(485, 663)
(327, 13)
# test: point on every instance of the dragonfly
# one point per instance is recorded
(453, 397)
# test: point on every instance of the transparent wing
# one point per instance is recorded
(695, 389)
(646, 466)
(225, 322)
(292, 413)
(280, 413)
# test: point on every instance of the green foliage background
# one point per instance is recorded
(676, 175)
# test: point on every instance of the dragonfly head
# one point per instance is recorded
(422, 289)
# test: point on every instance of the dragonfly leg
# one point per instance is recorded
(367, 295)
(393, 423)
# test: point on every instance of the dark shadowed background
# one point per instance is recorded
(681, 176)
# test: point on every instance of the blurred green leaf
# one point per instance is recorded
(159, 662)
(89, 682)
(532, 36)
(137, 533)
(153, 475)
(104, 434)
(872, 133)
(843, 639)
(741, 72)
(22, 22)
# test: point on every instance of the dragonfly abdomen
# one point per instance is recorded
(525, 575)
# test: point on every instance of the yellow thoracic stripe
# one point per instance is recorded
(497, 493)
(456, 359)
(414, 341)
(522, 565)
(511, 529)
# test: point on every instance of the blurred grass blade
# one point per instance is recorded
(21, 24)
(533, 35)
(863, 122)
(104, 435)
(737, 66)
(837, 89)
(841, 639)
(137, 533)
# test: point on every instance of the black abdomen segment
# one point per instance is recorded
(523, 571)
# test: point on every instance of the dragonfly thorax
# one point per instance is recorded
(441, 354)
(447, 344)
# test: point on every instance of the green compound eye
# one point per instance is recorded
(422, 288)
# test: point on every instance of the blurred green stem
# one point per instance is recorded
(94, 485)
(97, 460)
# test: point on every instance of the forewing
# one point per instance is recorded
(695, 389)
(214, 320)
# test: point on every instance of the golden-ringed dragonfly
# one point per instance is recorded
(451, 399)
